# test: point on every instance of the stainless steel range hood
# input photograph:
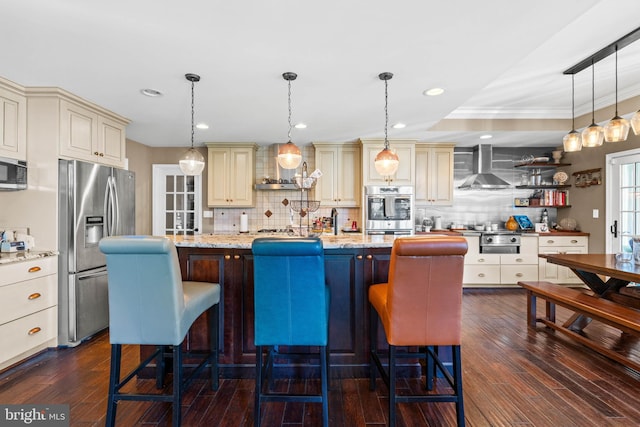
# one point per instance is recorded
(276, 177)
(482, 178)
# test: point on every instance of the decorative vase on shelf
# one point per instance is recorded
(557, 155)
(511, 224)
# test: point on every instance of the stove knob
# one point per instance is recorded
(513, 240)
(489, 239)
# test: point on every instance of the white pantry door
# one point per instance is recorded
(623, 199)
(177, 202)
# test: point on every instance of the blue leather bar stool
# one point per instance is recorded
(421, 305)
(291, 302)
(149, 304)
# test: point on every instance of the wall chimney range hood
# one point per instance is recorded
(482, 178)
(276, 177)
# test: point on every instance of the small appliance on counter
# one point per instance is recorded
(6, 246)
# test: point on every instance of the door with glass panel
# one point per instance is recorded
(177, 202)
(623, 200)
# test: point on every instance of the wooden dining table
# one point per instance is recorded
(606, 277)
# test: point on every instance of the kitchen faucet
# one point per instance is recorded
(334, 219)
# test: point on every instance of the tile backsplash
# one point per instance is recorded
(273, 208)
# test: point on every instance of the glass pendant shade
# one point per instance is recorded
(192, 163)
(386, 162)
(635, 123)
(289, 156)
(616, 130)
(572, 141)
(592, 136)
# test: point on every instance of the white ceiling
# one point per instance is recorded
(496, 59)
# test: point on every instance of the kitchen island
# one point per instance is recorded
(353, 262)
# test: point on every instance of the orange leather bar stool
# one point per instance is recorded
(421, 306)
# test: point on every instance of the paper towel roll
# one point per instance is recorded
(244, 223)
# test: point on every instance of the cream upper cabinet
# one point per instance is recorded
(405, 149)
(341, 172)
(434, 174)
(231, 175)
(13, 121)
(87, 134)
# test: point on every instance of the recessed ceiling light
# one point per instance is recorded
(202, 126)
(300, 126)
(399, 126)
(151, 92)
(486, 136)
(433, 91)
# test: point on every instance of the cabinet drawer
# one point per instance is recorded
(519, 259)
(563, 241)
(512, 274)
(481, 274)
(28, 332)
(27, 270)
(482, 259)
(23, 298)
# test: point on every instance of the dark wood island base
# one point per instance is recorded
(349, 273)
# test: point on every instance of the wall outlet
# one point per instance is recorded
(207, 214)
(596, 213)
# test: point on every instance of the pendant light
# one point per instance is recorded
(289, 156)
(572, 141)
(635, 123)
(386, 162)
(593, 135)
(192, 162)
(617, 129)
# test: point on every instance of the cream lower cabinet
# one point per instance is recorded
(13, 121)
(495, 270)
(434, 174)
(231, 175)
(28, 308)
(405, 149)
(560, 245)
(341, 172)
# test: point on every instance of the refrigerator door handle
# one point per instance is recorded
(116, 206)
(108, 209)
(94, 273)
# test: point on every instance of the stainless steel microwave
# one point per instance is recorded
(13, 174)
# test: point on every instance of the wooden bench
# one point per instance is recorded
(606, 311)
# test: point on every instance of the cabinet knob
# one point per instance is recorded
(358, 256)
(519, 274)
(519, 260)
(34, 269)
(550, 242)
(369, 256)
(574, 241)
(227, 257)
(481, 275)
(480, 259)
(34, 331)
(95, 153)
(101, 154)
(236, 257)
(34, 295)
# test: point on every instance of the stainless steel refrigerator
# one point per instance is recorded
(94, 201)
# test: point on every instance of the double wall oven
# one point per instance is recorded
(389, 210)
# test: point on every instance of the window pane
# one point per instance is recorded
(169, 202)
(169, 184)
(168, 222)
(179, 202)
(627, 199)
(179, 183)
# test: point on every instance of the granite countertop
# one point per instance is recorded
(243, 241)
(10, 257)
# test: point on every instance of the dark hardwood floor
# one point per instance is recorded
(512, 377)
